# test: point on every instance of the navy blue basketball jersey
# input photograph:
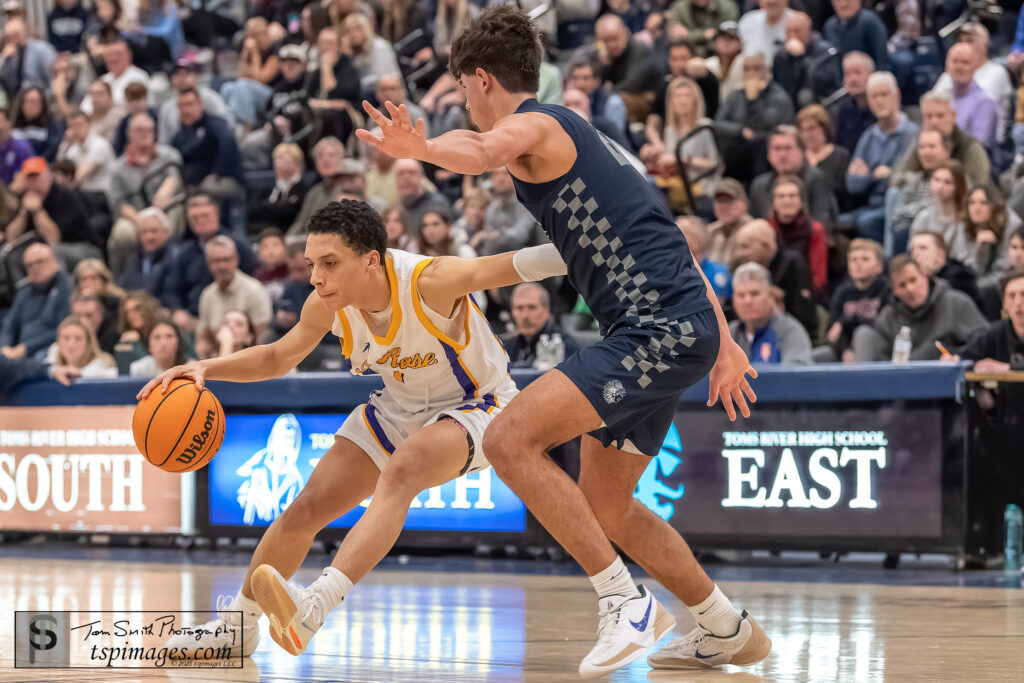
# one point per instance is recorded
(624, 253)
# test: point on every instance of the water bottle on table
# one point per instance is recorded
(1014, 531)
(542, 360)
(902, 346)
(557, 349)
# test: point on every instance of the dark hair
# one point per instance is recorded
(19, 102)
(179, 353)
(681, 42)
(582, 64)
(444, 248)
(502, 41)
(357, 224)
(1010, 277)
(787, 130)
(190, 91)
(899, 263)
(1018, 233)
(997, 220)
(936, 237)
(956, 169)
(135, 91)
(270, 232)
(64, 167)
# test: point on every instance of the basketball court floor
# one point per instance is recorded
(462, 620)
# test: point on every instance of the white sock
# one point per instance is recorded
(615, 580)
(332, 586)
(244, 604)
(717, 614)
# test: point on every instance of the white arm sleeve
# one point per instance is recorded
(538, 263)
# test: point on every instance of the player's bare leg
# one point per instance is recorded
(428, 458)
(342, 479)
(608, 477)
(516, 444)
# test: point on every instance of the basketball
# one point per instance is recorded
(179, 431)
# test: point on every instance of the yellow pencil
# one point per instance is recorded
(942, 348)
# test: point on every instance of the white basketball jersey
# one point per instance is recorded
(421, 364)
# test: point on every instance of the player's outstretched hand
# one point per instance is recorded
(728, 380)
(398, 136)
(193, 371)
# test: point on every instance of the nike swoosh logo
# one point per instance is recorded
(642, 624)
(712, 605)
(698, 655)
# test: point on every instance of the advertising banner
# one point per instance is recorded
(77, 469)
(267, 459)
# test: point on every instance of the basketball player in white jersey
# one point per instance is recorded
(410, 319)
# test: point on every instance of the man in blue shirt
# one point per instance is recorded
(208, 149)
(856, 29)
(39, 305)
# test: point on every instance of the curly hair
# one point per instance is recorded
(357, 224)
(502, 41)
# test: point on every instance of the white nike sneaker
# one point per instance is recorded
(702, 649)
(628, 628)
(229, 630)
(295, 613)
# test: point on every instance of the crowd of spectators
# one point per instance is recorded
(842, 173)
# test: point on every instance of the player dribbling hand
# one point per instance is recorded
(193, 371)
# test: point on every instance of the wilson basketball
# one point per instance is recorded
(179, 431)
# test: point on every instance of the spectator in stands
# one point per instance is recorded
(372, 55)
(604, 104)
(282, 205)
(931, 310)
(977, 113)
(878, 151)
(148, 266)
(939, 114)
(67, 88)
(139, 313)
(815, 127)
(469, 228)
(763, 30)
(166, 347)
(120, 72)
(328, 158)
(185, 76)
(230, 289)
(389, 88)
(578, 101)
(190, 273)
(296, 290)
(797, 230)
(210, 157)
(852, 112)
(333, 87)
(929, 251)
(946, 210)
(910, 192)
(24, 62)
(681, 62)
(1000, 348)
(33, 122)
(30, 325)
(159, 31)
(757, 242)
(416, 199)
(507, 224)
(726, 64)
(531, 311)
(77, 347)
(856, 29)
(984, 243)
(697, 21)
(381, 182)
(731, 213)
(257, 67)
(65, 25)
(57, 214)
(272, 261)
(436, 239)
(13, 152)
(747, 116)
(92, 277)
(88, 307)
(696, 234)
(394, 224)
(858, 299)
(91, 154)
(105, 115)
(786, 156)
(990, 74)
(145, 175)
(765, 334)
(803, 67)
(629, 65)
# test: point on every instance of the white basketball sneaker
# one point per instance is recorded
(628, 628)
(702, 649)
(295, 613)
(228, 630)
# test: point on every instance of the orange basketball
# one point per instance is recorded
(179, 431)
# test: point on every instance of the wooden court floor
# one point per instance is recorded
(449, 626)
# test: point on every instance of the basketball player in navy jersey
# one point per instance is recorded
(663, 327)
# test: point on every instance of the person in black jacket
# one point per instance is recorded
(333, 88)
(280, 207)
(807, 68)
(928, 249)
(858, 300)
(149, 266)
(1000, 348)
(65, 25)
(531, 310)
(209, 153)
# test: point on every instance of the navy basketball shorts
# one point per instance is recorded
(634, 376)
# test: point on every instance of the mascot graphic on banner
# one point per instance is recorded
(272, 477)
(651, 489)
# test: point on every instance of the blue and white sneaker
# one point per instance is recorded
(702, 649)
(629, 627)
(295, 613)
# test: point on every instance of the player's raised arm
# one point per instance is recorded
(448, 278)
(460, 151)
(256, 363)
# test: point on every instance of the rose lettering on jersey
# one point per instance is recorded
(393, 356)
